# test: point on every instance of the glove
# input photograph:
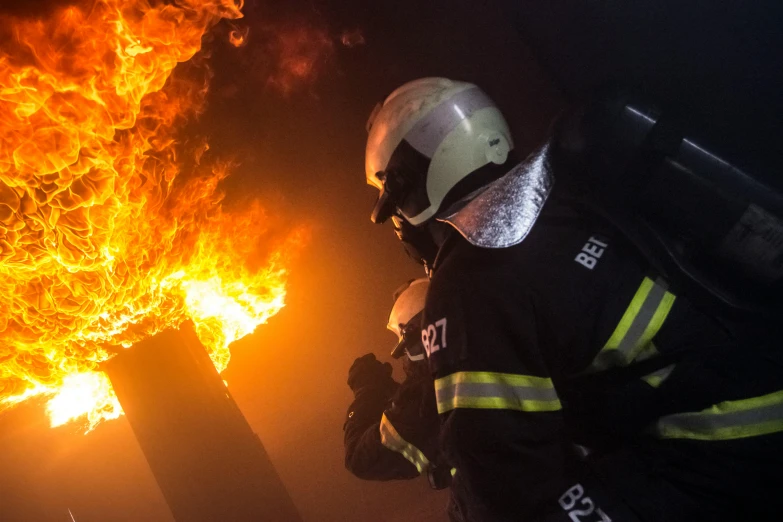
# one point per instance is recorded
(368, 372)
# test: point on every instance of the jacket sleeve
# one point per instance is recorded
(502, 423)
(365, 455)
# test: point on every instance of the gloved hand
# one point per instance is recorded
(368, 372)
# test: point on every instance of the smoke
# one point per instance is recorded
(289, 54)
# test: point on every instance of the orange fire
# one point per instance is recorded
(111, 223)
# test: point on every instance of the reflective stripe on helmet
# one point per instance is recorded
(727, 420)
(495, 391)
(640, 323)
(399, 114)
(427, 135)
(391, 439)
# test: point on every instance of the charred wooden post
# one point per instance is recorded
(205, 457)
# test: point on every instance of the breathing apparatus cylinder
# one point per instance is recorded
(707, 225)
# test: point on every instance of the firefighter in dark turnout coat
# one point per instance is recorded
(391, 430)
(573, 382)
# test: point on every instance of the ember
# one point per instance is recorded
(238, 36)
(111, 224)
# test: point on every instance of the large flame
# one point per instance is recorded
(111, 224)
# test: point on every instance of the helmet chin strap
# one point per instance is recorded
(438, 231)
(417, 242)
(414, 358)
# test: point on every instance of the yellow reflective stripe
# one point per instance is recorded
(497, 403)
(510, 379)
(727, 420)
(495, 391)
(656, 378)
(394, 441)
(641, 321)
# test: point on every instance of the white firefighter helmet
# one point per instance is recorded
(427, 137)
(405, 319)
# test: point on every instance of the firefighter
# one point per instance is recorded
(547, 331)
(391, 430)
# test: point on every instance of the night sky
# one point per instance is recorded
(301, 152)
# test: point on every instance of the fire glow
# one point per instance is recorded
(111, 223)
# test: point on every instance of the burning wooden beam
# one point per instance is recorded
(205, 457)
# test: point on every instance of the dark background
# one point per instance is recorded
(299, 141)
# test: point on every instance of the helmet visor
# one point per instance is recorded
(410, 341)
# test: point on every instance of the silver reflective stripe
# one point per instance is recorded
(391, 439)
(427, 135)
(727, 420)
(648, 352)
(640, 323)
(489, 390)
(502, 391)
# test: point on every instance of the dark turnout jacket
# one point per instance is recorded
(393, 435)
(568, 343)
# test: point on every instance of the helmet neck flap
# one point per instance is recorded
(504, 213)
